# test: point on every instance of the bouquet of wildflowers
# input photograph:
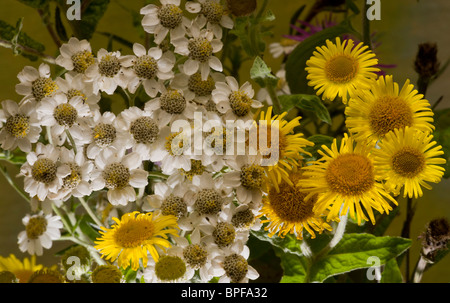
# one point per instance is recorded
(197, 176)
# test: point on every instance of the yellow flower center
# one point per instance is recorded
(240, 103)
(236, 267)
(224, 234)
(341, 69)
(109, 66)
(44, 170)
(252, 176)
(243, 219)
(389, 113)
(170, 268)
(75, 93)
(208, 202)
(65, 114)
(289, 202)
(116, 176)
(408, 162)
(18, 125)
(82, 60)
(174, 205)
(173, 102)
(43, 87)
(134, 233)
(144, 130)
(200, 49)
(195, 255)
(46, 276)
(201, 87)
(74, 178)
(106, 274)
(350, 174)
(145, 67)
(175, 145)
(36, 227)
(213, 11)
(197, 169)
(170, 16)
(104, 134)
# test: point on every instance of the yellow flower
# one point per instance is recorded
(21, 269)
(409, 158)
(287, 211)
(371, 114)
(280, 158)
(345, 180)
(134, 236)
(338, 69)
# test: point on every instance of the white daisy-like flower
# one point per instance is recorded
(120, 173)
(170, 106)
(108, 72)
(193, 87)
(76, 55)
(197, 254)
(200, 48)
(61, 114)
(176, 201)
(211, 12)
(285, 47)
(21, 125)
(183, 176)
(149, 68)
(77, 182)
(236, 103)
(45, 206)
(232, 265)
(36, 83)
(246, 177)
(105, 134)
(40, 232)
(170, 268)
(244, 217)
(43, 173)
(165, 19)
(74, 85)
(142, 127)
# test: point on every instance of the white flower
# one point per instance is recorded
(232, 265)
(36, 83)
(75, 55)
(22, 126)
(107, 73)
(77, 182)
(236, 103)
(193, 87)
(151, 68)
(105, 134)
(74, 85)
(170, 106)
(285, 47)
(143, 128)
(43, 174)
(61, 114)
(200, 47)
(247, 177)
(211, 12)
(164, 19)
(40, 231)
(120, 174)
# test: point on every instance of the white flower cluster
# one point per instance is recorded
(74, 149)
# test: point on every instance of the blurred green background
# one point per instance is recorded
(403, 25)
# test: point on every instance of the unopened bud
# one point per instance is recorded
(435, 237)
(427, 63)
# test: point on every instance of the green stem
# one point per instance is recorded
(366, 26)
(155, 174)
(92, 250)
(13, 184)
(72, 141)
(275, 101)
(90, 212)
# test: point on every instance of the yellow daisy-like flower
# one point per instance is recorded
(287, 211)
(337, 69)
(134, 236)
(280, 158)
(407, 157)
(21, 269)
(345, 179)
(371, 114)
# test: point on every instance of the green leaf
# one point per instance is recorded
(318, 141)
(60, 30)
(288, 244)
(352, 253)
(262, 74)
(90, 16)
(35, 3)
(351, 5)
(296, 62)
(311, 103)
(442, 136)
(294, 267)
(391, 272)
(86, 226)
